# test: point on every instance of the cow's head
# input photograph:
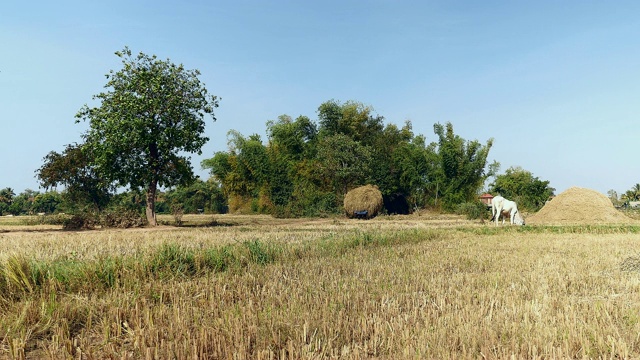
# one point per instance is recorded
(518, 220)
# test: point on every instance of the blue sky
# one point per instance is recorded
(555, 83)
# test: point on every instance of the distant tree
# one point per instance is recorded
(385, 143)
(221, 168)
(291, 142)
(199, 196)
(244, 171)
(152, 112)
(613, 196)
(6, 198)
(520, 185)
(462, 167)
(632, 194)
(74, 170)
(22, 203)
(636, 191)
(130, 200)
(47, 202)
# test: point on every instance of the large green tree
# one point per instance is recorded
(462, 166)
(415, 165)
(521, 186)
(151, 113)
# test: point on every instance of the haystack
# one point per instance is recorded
(579, 206)
(365, 198)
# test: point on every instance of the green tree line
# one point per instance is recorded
(198, 197)
(305, 167)
(152, 115)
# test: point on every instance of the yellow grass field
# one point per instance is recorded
(255, 287)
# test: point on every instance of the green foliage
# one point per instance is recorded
(292, 139)
(122, 218)
(352, 119)
(521, 186)
(6, 199)
(152, 112)
(81, 221)
(259, 252)
(472, 210)
(462, 166)
(22, 204)
(415, 166)
(200, 196)
(74, 169)
(305, 170)
(21, 277)
(632, 194)
(48, 202)
(344, 163)
(173, 260)
(219, 259)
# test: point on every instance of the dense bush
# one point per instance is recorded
(112, 218)
(472, 210)
(81, 221)
(122, 218)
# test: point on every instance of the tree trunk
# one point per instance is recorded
(151, 203)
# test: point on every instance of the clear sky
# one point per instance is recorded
(555, 83)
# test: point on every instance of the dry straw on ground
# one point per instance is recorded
(365, 198)
(579, 206)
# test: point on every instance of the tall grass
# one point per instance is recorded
(365, 292)
(23, 277)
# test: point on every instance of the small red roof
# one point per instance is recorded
(486, 196)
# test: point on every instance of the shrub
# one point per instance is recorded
(55, 219)
(472, 210)
(122, 218)
(177, 210)
(81, 221)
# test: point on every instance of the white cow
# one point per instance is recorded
(503, 207)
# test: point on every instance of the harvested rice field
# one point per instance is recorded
(425, 286)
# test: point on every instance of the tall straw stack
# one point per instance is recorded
(579, 206)
(365, 198)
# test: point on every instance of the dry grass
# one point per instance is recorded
(393, 287)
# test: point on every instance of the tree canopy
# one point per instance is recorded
(150, 115)
(306, 167)
(521, 186)
(73, 169)
(462, 166)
